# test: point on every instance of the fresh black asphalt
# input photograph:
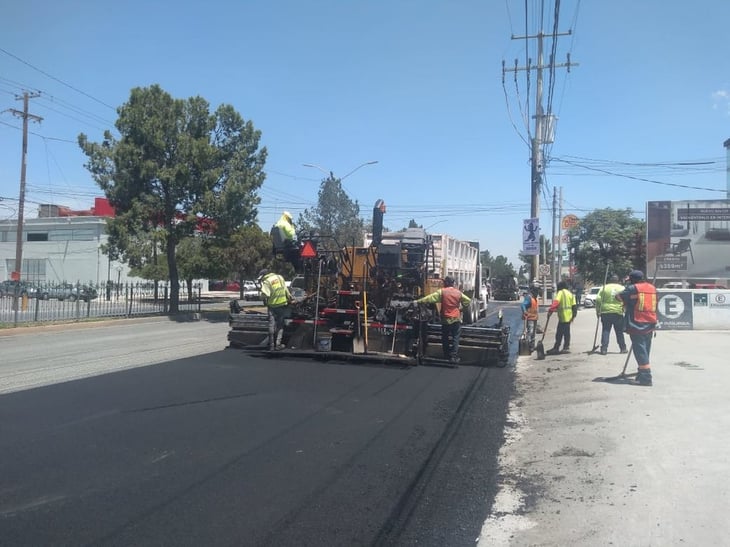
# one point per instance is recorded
(232, 449)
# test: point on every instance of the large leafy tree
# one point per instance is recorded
(174, 164)
(199, 258)
(247, 252)
(336, 217)
(497, 266)
(608, 238)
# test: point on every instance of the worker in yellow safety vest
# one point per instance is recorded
(565, 306)
(285, 224)
(276, 297)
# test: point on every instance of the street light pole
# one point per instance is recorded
(358, 167)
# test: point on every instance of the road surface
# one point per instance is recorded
(215, 447)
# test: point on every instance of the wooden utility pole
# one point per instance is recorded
(21, 199)
(543, 122)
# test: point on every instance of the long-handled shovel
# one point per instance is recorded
(365, 307)
(358, 345)
(598, 312)
(395, 331)
(540, 348)
(623, 374)
(595, 335)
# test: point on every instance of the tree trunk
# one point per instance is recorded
(174, 281)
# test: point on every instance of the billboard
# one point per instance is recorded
(688, 241)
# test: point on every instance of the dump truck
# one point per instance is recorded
(505, 288)
(461, 260)
(360, 305)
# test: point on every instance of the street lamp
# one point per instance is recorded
(435, 223)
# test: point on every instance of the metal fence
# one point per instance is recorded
(48, 304)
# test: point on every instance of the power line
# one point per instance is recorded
(77, 90)
(642, 179)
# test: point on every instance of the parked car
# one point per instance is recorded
(69, 292)
(589, 299)
(676, 285)
(21, 288)
(251, 291)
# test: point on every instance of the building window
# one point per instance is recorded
(37, 236)
(68, 234)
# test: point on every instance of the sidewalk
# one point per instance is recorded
(588, 462)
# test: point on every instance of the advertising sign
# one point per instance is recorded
(719, 300)
(674, 310)
(531, 236)
(569, 221)
(688, 241)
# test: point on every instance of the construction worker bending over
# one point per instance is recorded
(451, 300)
(564, 304)
(530, 314)
(276, 297)
(639, 297)
(611, 311)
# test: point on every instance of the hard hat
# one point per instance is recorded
(263, 272)
(287, 215)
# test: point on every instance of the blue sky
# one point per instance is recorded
(415, 85)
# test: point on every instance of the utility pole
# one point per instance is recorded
(21, 199)
(726, 144)
(560, 236)
(541, 136)
(554, 262)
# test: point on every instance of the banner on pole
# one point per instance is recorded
(531, 236)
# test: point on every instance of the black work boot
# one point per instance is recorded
(643, 378)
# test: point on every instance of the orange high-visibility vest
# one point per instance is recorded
(531, 312)
(645, 308)
(450, 303)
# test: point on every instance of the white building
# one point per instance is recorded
(60, 249)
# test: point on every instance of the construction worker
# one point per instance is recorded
(283, 236)
(530, 314)
(285, 224)
(276, 297)
(451, 300)
(639, 298)
(564, 304)
(611, 311)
